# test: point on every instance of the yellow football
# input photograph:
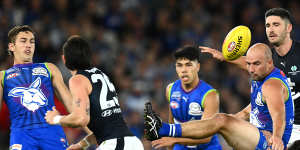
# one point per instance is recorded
(236, 42)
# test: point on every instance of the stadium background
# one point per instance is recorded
(133, 41)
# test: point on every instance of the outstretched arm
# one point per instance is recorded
(80, 88)
(275, 93)
(60, 89)
(244, 114)
(240, 62)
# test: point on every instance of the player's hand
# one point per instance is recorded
(50, 115)
(277, 143)
(215, 53)
(76, 146)
(163, 142)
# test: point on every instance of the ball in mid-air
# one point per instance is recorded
(236, 42)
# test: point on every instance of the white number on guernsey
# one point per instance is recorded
(106, 85)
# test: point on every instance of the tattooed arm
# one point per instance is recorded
(80, 88)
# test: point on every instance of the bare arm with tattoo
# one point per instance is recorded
(80, 88)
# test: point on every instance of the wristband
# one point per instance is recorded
(87, 144)
(56, 119)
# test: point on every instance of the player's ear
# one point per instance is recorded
(11, 47)
(289, 27)
(198, 66)
(63, 58)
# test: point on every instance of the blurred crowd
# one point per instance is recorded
(133, 42)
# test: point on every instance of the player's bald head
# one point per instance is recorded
(260, 49)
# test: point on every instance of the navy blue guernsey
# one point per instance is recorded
(290, 65)
(186, 106)
(28, 93)
(106, 119)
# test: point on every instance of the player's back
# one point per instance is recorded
(106, 119)
(28, 93)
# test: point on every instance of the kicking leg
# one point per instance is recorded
(238, 133)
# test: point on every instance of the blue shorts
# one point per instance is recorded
(45, 138)
(262, 143)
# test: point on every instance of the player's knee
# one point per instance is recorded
(222, 119)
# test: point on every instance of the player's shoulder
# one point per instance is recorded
(79, 80)
(2, 72)
(273, 84)
(50, 65)
(169, 86)
(295, 47)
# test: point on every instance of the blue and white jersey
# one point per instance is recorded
(28, 93)
(186, 106)
(260, 115)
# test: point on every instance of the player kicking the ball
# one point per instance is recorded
(270, 112)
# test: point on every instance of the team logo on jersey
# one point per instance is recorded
(32, 97)
(174, 105)
(195, 109)
(254, 118)
(294, 70)
(258, 99)
(16, 147)
(40, 71)
(176, 95)
(13, 75)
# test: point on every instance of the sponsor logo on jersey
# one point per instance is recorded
(13, 75)
(13, 70)
(40, 71)
(176, 95)
(174, 105)
(195, 109)
(258, 99)
(16, 147)
(106, 113)
(32, 97)
(109, 112)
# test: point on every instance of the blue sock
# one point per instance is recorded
(173, 130)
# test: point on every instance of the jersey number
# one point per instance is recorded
(106, 85)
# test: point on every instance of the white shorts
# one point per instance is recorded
(295, 134)
(126, 143)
